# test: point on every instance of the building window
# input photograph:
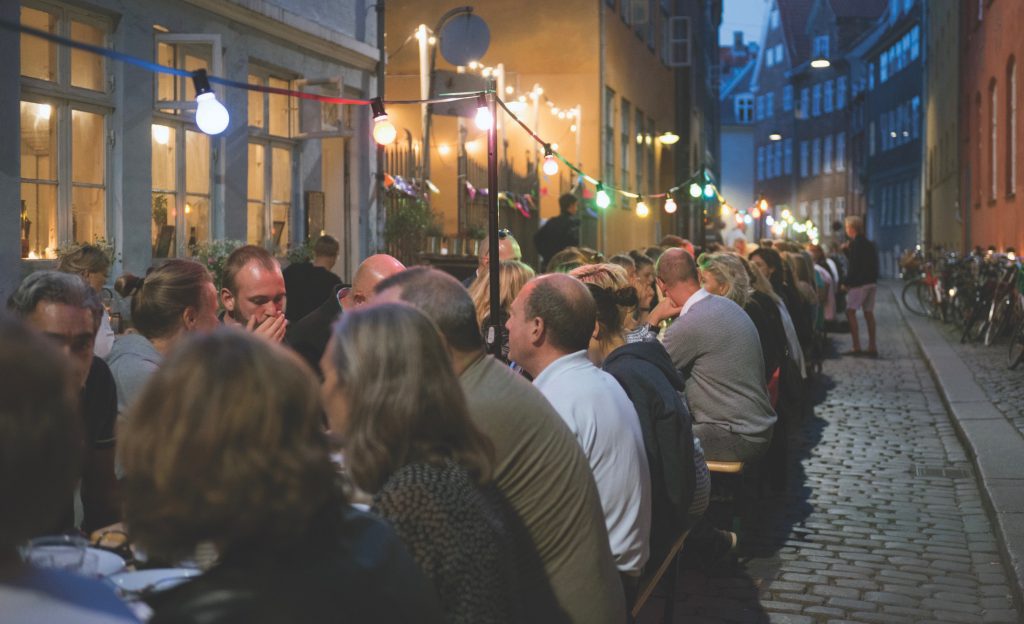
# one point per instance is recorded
(815, 212)
(803, 210)
(269, 113)
(625, 119)
(778, 158)
(805, 102)
(1011, 127)
(678, 42)
(181, 189)
(993, 116)
(826, 214)
(609, 136)
(176, 94)
(840, 209)
(759, 108)
(788, 158)
(744, 108)
(760, 163)
(871, 139)
(787, 98)
(779, 54)
(804, 159)
(816, 100)
(829, 101)
(871, 76)
(769, 57)
(915, 42)
(820, 46)
(841, 152)
(769, 105)
(773, 20)
(826, 155)
(64, 119)
(270, 195)
(840, 93)
(816, 156)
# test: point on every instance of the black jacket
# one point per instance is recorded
(309, 336)
(307, 286)
(768, 321)
(862, 256)
(348, 566)
(555, 235)
(645, 372)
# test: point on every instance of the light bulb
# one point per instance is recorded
(443, 149)
(769, 220)
(695, 190)
(726, 210)
(763, 205)
(384, 132)
(483, 119)
(748, 219)
(642, 210)
(756, 212)
(550, 166)
(211, 116)
(161, 134)
(709, 191)
(670, 205)
(601, 199)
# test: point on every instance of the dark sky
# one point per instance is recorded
(745, 15)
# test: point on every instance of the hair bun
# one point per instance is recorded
(128, 284)
(627, 297)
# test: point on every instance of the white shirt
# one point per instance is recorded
(694, 298)
(601, 416)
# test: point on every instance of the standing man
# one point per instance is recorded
(860, 284)
(549, 328)
(310, 283)
(253, 293)
(559, 232)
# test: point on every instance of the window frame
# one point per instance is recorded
(181, 193)
(178, 39)
(1011, 127)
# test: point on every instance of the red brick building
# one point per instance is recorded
(991, 135)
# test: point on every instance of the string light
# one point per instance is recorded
(695, 190)
(550, 165)
(670, 205)
(211, 116)
(726, 210)
(642, 210)
(709, 190)
(483, 119)
(384, 131)
(602, 199)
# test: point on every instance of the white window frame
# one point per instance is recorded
(212, 40)
(679, 34)
(180, 194)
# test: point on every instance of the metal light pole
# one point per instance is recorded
(494, 324)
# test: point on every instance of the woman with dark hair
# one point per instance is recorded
(393, 398)
(175, 298)
(225, 451)
(93, 265)
(680, 482)
(769, 262)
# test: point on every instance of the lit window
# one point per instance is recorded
(176, 94)
(271, 113)
(826, 155)
(181, 214)
(625, 120)
(816, 100)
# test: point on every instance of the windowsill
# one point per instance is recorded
(1012, 195)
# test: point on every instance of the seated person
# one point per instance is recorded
(225, 449)
(253, 292)
(40, 449)
(64, 308)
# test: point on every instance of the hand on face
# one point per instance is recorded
(665, 310)
(271, 327)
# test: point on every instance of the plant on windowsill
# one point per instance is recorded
(474, 236)
(213, 255)
(406, 228)
(434, 236)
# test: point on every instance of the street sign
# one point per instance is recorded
(464, 38)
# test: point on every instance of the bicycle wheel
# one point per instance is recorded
(913, 299)
(1000, 320)
(974, 326)
(1016, 353)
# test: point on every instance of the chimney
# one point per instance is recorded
(737, 39)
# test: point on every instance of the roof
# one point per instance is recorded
(740, 82)
(794, 15)
(869, 9)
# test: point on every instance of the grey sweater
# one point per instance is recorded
(716, 347)
(133, 360)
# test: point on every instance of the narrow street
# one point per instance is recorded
(883, 519)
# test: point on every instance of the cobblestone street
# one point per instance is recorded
(883, 518)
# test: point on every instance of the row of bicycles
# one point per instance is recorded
(982, 294)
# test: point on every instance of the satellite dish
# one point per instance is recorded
(465, 38)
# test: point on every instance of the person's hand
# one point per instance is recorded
(665, 310)
(644, 292)
(272, 327)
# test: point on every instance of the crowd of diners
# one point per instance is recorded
(367, 460)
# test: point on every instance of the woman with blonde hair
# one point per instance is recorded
(512, 276)
(175, 298)
(225, 454)
(93, 265)
(393, 399)
(680, 482)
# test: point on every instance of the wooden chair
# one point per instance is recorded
(666, 570)
(727, 489)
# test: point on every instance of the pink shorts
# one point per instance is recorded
(861, 298)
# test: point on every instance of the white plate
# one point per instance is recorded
(107, 562)
(157, 579)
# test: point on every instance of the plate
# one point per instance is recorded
(107, 562)
(157, 579)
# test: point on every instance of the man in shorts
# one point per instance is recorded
(860, 284)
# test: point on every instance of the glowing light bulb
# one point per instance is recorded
(695, 190)
(509, 90)
(572, 128)
(384, 131)
(769, 221)
(188, 208)
(432, 40)
(550, 165)
(709, 191)
(726, 210)
(211, 116)
(483, 118)
(161, 134)
(642, 210)
(748, 219)
(43, 112)
(443, 149)
(670, 205)
(756, 212)
(602, 199)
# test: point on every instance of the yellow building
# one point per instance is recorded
(591, 77)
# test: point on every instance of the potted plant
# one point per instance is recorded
(406, 228)
(474, 236)
(213, 255)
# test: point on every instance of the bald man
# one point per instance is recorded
(549, 326)
(309, 336)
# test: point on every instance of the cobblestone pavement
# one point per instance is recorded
(882, 520)
(1005, 388)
